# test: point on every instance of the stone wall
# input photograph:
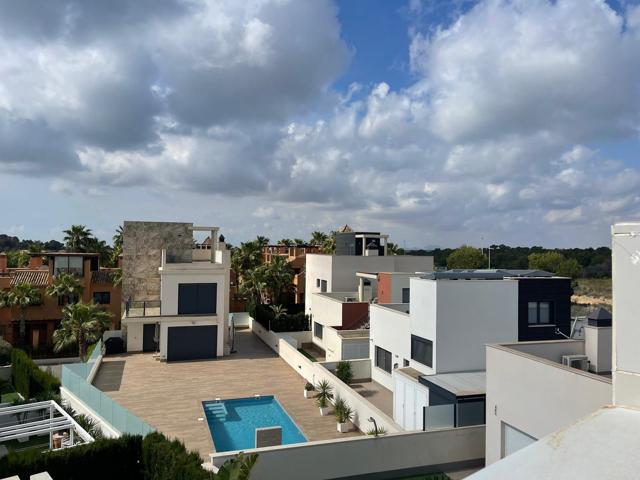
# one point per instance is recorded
(142, 247)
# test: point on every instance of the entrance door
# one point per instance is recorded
(149, 343)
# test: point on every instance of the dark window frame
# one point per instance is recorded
(427, 345)
(197, 304)
(408, 292)
(316, 330)
(551, 311)
(99, 298)
(387, 359)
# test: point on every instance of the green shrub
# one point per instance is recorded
(344, 371)
(163, 459)
(5, 352)
(102, 459)
(28, 379)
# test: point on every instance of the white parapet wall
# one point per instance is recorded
(285, 346)
(406, 453)
(80, 407)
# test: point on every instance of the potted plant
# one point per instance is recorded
(324, 396)
(343, 413)
(309, 390)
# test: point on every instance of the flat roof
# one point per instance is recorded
(461, 384)
(487, 274)
(62, 253)
(604, 444)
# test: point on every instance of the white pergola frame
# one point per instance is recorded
(50, 425)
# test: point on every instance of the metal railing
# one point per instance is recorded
(142, 308)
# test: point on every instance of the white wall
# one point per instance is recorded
(332, 343)
(536, 396)
(422, 320)
(470, 314)
(367, 456)
(340, 270)
(80, 407)
(134, 333)
(171, 279)
(626, 305)
(398, 282)
(388, 329)
(326, 310)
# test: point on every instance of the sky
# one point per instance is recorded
(437, 122)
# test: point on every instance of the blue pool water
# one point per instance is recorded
(233, 422)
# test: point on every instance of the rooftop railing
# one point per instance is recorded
(142, 308)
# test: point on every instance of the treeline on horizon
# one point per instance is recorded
(595, 262)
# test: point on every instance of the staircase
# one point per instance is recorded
(216, 411)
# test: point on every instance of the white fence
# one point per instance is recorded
(287, 348)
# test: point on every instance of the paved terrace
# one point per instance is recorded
(168, 396)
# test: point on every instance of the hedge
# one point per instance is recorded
(290, 322)
(129, 457)
(103, 459)
(28, 379)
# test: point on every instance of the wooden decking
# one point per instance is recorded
(169, 396)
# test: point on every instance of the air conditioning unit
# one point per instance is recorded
(576, 361)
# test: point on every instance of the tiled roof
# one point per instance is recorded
(101, 276)
(38, 278)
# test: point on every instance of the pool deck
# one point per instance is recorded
(169, 396)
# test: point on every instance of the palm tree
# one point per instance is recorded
(394, 249)
(245, 258)
(262, 241)
(285, 242)
(82, 324)
(238, 468)
(254, 284)
(22, 295)
(329, 245)
(279, 278)
(94, 245)
(76, 238)
(65, 285)
(298, 241)
(318, 238)
(118, 237)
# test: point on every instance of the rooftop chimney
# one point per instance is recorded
(598, 340)
(35, 261)
(3, 261)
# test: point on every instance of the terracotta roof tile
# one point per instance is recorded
(38, 278)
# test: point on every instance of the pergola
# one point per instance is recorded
(40, 418)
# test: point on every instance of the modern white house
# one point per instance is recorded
(184, 312)
(449, 319)
(340, 288)
(546, 419)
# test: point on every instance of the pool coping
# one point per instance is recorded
(256, 396)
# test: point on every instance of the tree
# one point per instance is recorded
(238, 468)
(278, 311)
(18, 259)
(318, 238)
(394, 249)
(466, 257)
(329, 245)
(82, 324)
(555, 262)
(22, 295)
(286, 242)
(254, 284)
(118, 237)
(65, 285)
(262, 241)
(279, 277)
(298, 241)
(245, 258)
(76, 238)
(94, 245)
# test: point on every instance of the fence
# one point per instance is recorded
(77, 377)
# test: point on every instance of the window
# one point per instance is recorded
(406, 295)
(540, 313)
(67, 300)
(317, 283)
(323, 285)
(197, 298)
(317, 330)
(405, 362)
(68, 264)
(422, 350)
(102, 298)
(383, 359)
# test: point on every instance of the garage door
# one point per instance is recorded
(192, 343)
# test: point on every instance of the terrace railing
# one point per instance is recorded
(142, 308)
(74, 379)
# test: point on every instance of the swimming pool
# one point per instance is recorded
(233, 422)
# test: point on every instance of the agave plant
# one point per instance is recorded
(343, 411)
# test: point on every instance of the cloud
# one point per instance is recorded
(506, 124)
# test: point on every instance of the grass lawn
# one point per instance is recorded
(9, 397)
(594, 287)
(307, 354)
(40, 441)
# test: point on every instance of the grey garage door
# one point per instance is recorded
(192, 343)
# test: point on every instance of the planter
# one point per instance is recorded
(309, 393)
(342, 427)
(324, 410)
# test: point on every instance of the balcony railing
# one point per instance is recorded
(142, 308)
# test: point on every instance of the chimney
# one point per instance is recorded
(598, 340)
(3, 261)
(35, 261)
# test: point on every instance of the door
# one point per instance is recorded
(149, 343)
(192, 343)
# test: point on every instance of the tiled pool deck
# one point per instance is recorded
(169, 396)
